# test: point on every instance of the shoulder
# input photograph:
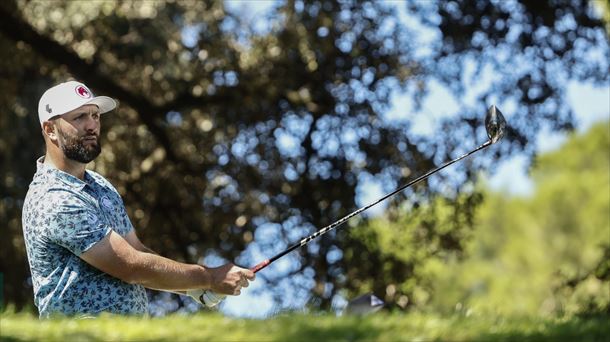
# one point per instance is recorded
(49, 192)
(50, 199)
(46, 190)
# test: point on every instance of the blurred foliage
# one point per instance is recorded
(544, 254)
(398, 245)
(530, 48)
(604, 6)
(299, 327)
(227, 136)
(539, 255)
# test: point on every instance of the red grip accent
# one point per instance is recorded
(260, 266)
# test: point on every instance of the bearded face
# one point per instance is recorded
(82, 149)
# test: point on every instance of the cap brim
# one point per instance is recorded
(104, 103)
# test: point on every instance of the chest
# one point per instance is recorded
(110, 208)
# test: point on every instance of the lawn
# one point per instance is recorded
(300, 327)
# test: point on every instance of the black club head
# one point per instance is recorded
(495, 124)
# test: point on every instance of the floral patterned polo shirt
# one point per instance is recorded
(63, 217)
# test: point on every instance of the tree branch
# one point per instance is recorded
(17, 29)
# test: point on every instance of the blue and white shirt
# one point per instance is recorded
(63, 217)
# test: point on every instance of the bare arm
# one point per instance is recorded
(115, 256)
(135, 242)
(198, 295)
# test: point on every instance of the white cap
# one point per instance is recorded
(68, 96)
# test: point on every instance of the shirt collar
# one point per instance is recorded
(68, 179)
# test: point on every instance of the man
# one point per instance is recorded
(84, 254)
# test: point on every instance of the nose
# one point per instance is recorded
(91, 124)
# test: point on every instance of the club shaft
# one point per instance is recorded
(334, 225)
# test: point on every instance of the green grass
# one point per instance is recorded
(299, 327)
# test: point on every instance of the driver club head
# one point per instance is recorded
(495, 124)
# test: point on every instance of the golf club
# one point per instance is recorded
(495, 125)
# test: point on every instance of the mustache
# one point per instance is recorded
(93, 135)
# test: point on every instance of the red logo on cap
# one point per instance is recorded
(83, 92)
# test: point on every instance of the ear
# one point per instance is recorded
(50, 130)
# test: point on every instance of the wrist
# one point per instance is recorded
(205, 277)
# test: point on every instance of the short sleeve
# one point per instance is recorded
(77, 227)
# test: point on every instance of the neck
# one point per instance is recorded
(60, 162)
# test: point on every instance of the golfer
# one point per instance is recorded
(84, 254)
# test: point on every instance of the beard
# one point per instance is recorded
(74, 147)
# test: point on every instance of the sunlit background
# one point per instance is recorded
(247, 125)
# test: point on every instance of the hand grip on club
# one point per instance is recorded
(211, 299)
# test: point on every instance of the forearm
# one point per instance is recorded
(142, 248)
(159, 273)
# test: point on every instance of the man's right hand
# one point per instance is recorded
(229, 279)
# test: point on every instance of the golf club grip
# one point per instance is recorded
(260, 266)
